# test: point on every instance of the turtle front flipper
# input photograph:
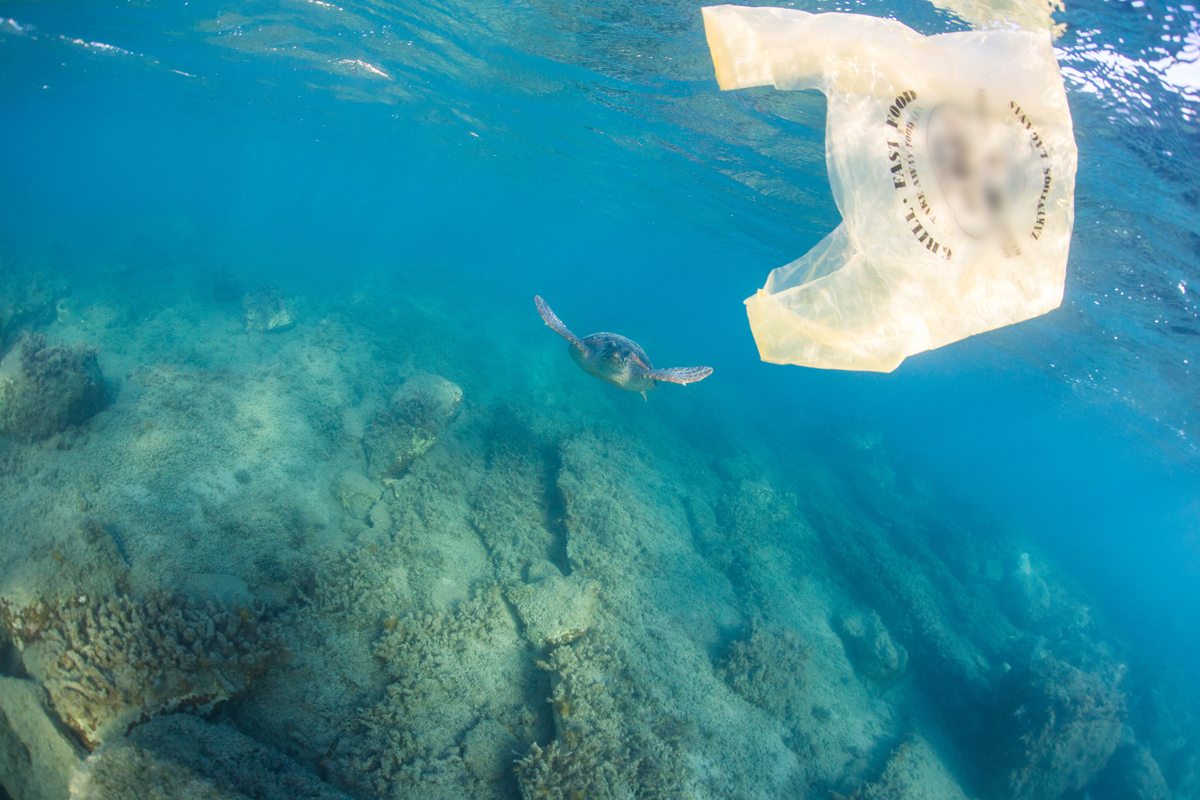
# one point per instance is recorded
(556, 324)
(681, 375)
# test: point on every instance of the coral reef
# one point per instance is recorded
(553, 610)
(452, 716)
(49, 389)
(710, 622)
(36, 758)
(182, 756)
(411, 423)
(874, 653)
(356, 493)
(951, 624)
(914, 771)
(767, 668)
(108, 663)
(1059, 724)
(267, 311)
(516, 508)
(607, 745)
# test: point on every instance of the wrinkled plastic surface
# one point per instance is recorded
(952, 161)
(1031, 15)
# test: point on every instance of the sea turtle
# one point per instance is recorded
(616, 359)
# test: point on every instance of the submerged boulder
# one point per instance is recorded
(871, 648)
(46, 389)
(356, 493)
(411, 423)
(1025, 594)
(767, 668)
(554, 610)
(1058, 726)
(184, 756)
(267, 311)
(26, 299)
(914, 771)
(36, 757)
(1133, 774)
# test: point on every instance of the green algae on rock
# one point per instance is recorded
(45, 389)
(871, 647)
(767, 668)
(411, 423)
(267, 311)
(449, 677)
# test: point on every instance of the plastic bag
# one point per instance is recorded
(1032, 15)
(952, 161)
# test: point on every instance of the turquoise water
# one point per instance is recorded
(978, 576)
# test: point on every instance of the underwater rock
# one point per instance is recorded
(411, 423)
(871, 648)
(1132, 774)
(1025, 594)
(766, 668)
(110, 662)
(554, 610)
(914, 771)
(446, 672)
(357, 493)
(36, 759)
(488, 750)
(951, 623)
(267, 311)
(1059, 725)
(25, 300)
(519, 475)
(182, 756)
(46, 389)
(605, 748)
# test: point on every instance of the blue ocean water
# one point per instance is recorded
(414, 174)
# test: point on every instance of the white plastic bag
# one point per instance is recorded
(952, 161)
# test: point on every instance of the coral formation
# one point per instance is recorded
(516, 508)
(913, 771)
(447, 674)
(553, 610)
(356, 493)
(411, 423)
(1059, 725)
(182, 756)
(767, 668)
(607, 744)
(110, 662)
(267, 311)
(874, 653)
(710, 623)
(49, 388)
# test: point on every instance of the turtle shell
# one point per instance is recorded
(616, 359)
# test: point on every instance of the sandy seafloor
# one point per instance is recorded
(210, 591)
